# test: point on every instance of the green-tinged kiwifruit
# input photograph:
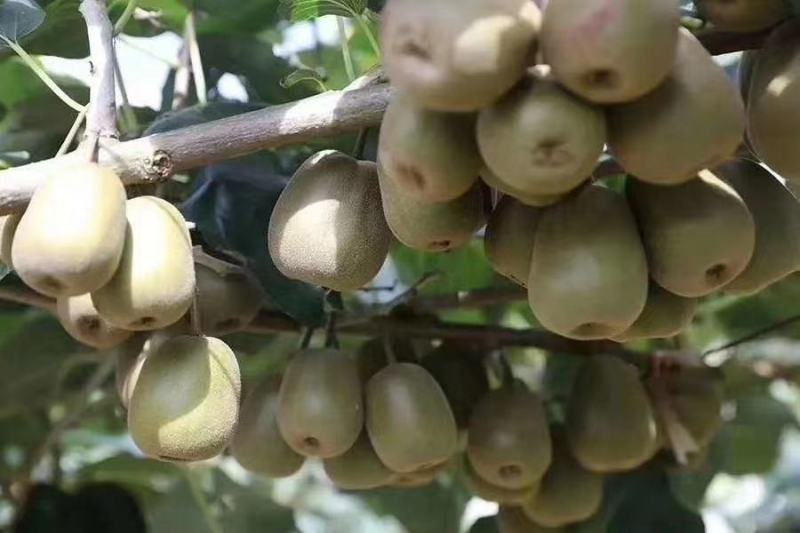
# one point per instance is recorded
(698, 235)
(534, 200)
(128, 365)
(541, 139)
(696, 396)
(359, 468)
(328, 227)
(418, 478)
(430, 226)
(576, 287)
(694, 120)
(776, 214)
(8, 226)
(225, 302)
(132, 354)
(70, 239)
(508, 240)
(568, 492)
(744, 15)
(492, 493)
(185, 404)
(458, 57)
(610, 51)
(745, 72)
(80, 319)
(320, 408)
(408, 418)
(155, 282)
(514, 520)
(371, 356)
(609, 424)
(773, 106)
(460, 373)
(430, 153)
(508, 438)
(257, 442)
(665, 315)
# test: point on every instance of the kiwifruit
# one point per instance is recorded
(418, 478)
(665, 315)
(8, 226)
(371, 356)
(540, 139)
(70, 239)
(185, 404)
(697, 113)
(744, 15)
(609, 423)
(568, 492)
(128, 365)
(257, 443)
(328, 228)
(514, 520)
(492, 493)
(575, 286)
(432, 154)
(133, 353)
(408, 418)
(696, 396)
(155, 283)
(460, 373)
(699, 235)
(359, 468)
(458, 57)
(774, 101)
(320, 408)
(776, 214)
(80, 319)
(610, 51)
(508, 240)
(508, 439)
(430, 226)
(225, 302)
(534, 200)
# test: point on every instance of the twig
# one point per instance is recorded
(345, 45)
(25, 296)
(754, 335)
(183, 78)
(102, 117)
(195, 59)
(158, 156)
(197, 493)
(40, 72)
(477, 298)
(73, 132)
(122, 21)
(131, 123)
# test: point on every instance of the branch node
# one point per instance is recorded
(159, 166)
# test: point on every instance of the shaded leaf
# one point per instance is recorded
(300, 10)
(18, 18)
(464, 269)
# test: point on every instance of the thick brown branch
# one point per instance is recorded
(101, 120)
(161, 155)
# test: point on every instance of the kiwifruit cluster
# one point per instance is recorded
(502, 96)
(382, 417)
(117, 265)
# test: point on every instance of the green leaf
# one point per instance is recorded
(487, 524)
(243, 16)
(303, 74)
(18, 18)
(436, 508)
(310, 9)
(464, 269)
(62, 34)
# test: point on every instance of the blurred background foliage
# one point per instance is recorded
(275, 52)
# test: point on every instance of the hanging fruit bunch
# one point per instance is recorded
(506, 116)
